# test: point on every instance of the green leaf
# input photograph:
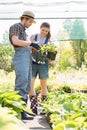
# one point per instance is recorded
(71, 124)
(17, 104)
(68, 106)
(59, 127)
(76, 115)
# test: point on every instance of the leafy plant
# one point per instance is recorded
(51, 47)
(9, 121)
(12, 99)
(66, 111)
(6, 54)
(66, 89)
(49, 51)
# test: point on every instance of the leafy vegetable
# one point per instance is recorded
(51, 47)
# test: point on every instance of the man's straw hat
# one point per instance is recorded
(28, 14)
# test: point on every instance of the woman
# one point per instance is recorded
(39, 68)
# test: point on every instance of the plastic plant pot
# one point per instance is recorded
(51, 55)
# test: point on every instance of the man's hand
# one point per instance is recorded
(35, 45)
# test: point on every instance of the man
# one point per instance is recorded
(22, 56)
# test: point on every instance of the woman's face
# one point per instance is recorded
(44, 31)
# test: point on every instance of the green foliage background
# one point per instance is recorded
(6, 54)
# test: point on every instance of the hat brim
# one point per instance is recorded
(33, 21)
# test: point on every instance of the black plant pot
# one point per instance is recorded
(40, 58)
(51, 55)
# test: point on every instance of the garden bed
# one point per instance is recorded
(66, 110)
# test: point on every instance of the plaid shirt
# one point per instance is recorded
(19, 30)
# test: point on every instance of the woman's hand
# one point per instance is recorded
(32, 38)
(33, 49)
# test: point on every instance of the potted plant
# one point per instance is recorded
(49, 50)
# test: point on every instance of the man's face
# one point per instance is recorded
(28, 22)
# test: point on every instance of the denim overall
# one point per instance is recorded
(23, 69)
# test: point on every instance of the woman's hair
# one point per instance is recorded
(47, 25)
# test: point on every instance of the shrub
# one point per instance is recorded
(6, 54)
(65, 59)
